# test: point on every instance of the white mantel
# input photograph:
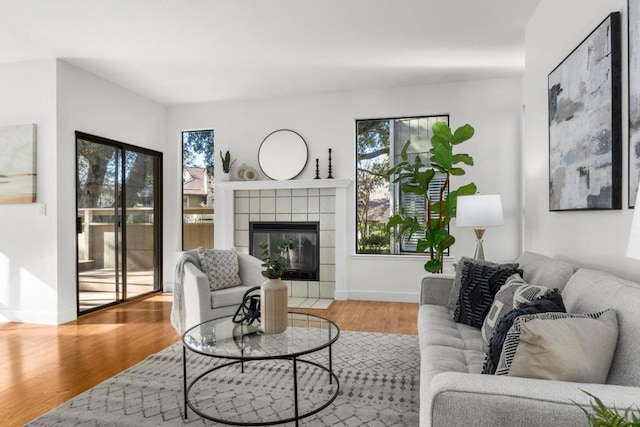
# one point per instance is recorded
(225, 209)
(276, 185)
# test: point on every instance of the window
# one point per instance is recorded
(197, 189)
(379, 143)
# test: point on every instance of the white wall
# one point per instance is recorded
(28, 264)
(328, 121)
(37, 243)
(595, 239)
(90, 104)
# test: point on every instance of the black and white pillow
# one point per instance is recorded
(479, 285)
(452, 301)
(550, 302)
(221, 267)
(514, 292)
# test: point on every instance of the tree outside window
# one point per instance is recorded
(378, 146)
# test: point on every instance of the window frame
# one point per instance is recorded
(395, 194)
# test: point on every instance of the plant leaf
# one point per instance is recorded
(463, 158)
(442, 130)
(433, 266)
(463, 133)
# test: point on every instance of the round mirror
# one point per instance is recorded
(283, 155)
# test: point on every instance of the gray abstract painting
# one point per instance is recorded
(634, 99)
(585, 124)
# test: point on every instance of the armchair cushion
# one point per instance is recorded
(221, 267)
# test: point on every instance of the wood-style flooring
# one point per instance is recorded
(43, 366)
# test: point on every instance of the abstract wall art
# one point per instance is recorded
(585, 141)
(633, 14)
(18, 164)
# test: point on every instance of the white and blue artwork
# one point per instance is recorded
(585, 148)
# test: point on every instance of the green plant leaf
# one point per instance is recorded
(463, 158)
(403, 153)
(442, 130)
(463, 133)
(457, 171)
(467, 190)
(433, 266)
(422, 245)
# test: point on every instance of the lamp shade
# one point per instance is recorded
(633, 247)
(480, 210)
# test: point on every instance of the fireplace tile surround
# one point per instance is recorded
(240, 202)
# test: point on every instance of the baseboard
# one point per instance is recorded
(378, 296)
(37, 317)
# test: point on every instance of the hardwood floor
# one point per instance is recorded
(43, 366)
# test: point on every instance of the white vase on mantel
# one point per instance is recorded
(273, 306)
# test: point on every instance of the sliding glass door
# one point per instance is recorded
(118, 221)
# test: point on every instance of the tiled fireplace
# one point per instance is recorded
(240, 204)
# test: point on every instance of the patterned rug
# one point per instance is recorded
(378, 376)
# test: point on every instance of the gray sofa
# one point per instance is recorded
(453, 392)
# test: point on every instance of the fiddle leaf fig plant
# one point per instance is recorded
(415, 176)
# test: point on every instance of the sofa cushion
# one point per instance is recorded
(220, 266)
(446, 345)
(480, 283)
(561, 346)
(550, 302)
(457, 280)
(539, 270)
(515, 291)
(589, 291)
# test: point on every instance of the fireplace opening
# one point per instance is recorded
(302, 257)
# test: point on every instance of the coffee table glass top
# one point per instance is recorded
(222, 338)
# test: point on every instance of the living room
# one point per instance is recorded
(507, 105)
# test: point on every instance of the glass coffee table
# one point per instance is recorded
(255, 381)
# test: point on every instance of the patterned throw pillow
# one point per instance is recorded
(515, 291)
(220, 266)
(452, 302)
(561, 346)
(479, 285)
(551, 302)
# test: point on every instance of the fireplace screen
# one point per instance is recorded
(303, 251)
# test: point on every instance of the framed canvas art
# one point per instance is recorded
(18, 164)
(633, 14)
(585, 141)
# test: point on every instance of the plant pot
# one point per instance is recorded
(273, 306)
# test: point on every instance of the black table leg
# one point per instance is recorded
(184, 379)
(295, 388)
(330, 365)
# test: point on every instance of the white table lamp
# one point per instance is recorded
(480, 211)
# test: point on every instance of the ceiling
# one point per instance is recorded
(188, 51)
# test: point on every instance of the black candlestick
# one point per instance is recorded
(317, 169)
(330, 176)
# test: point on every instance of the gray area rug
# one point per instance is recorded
(378, 387)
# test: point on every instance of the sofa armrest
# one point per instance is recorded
(250, 270)
(474, 399)
(435, 288)
(197, 300)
